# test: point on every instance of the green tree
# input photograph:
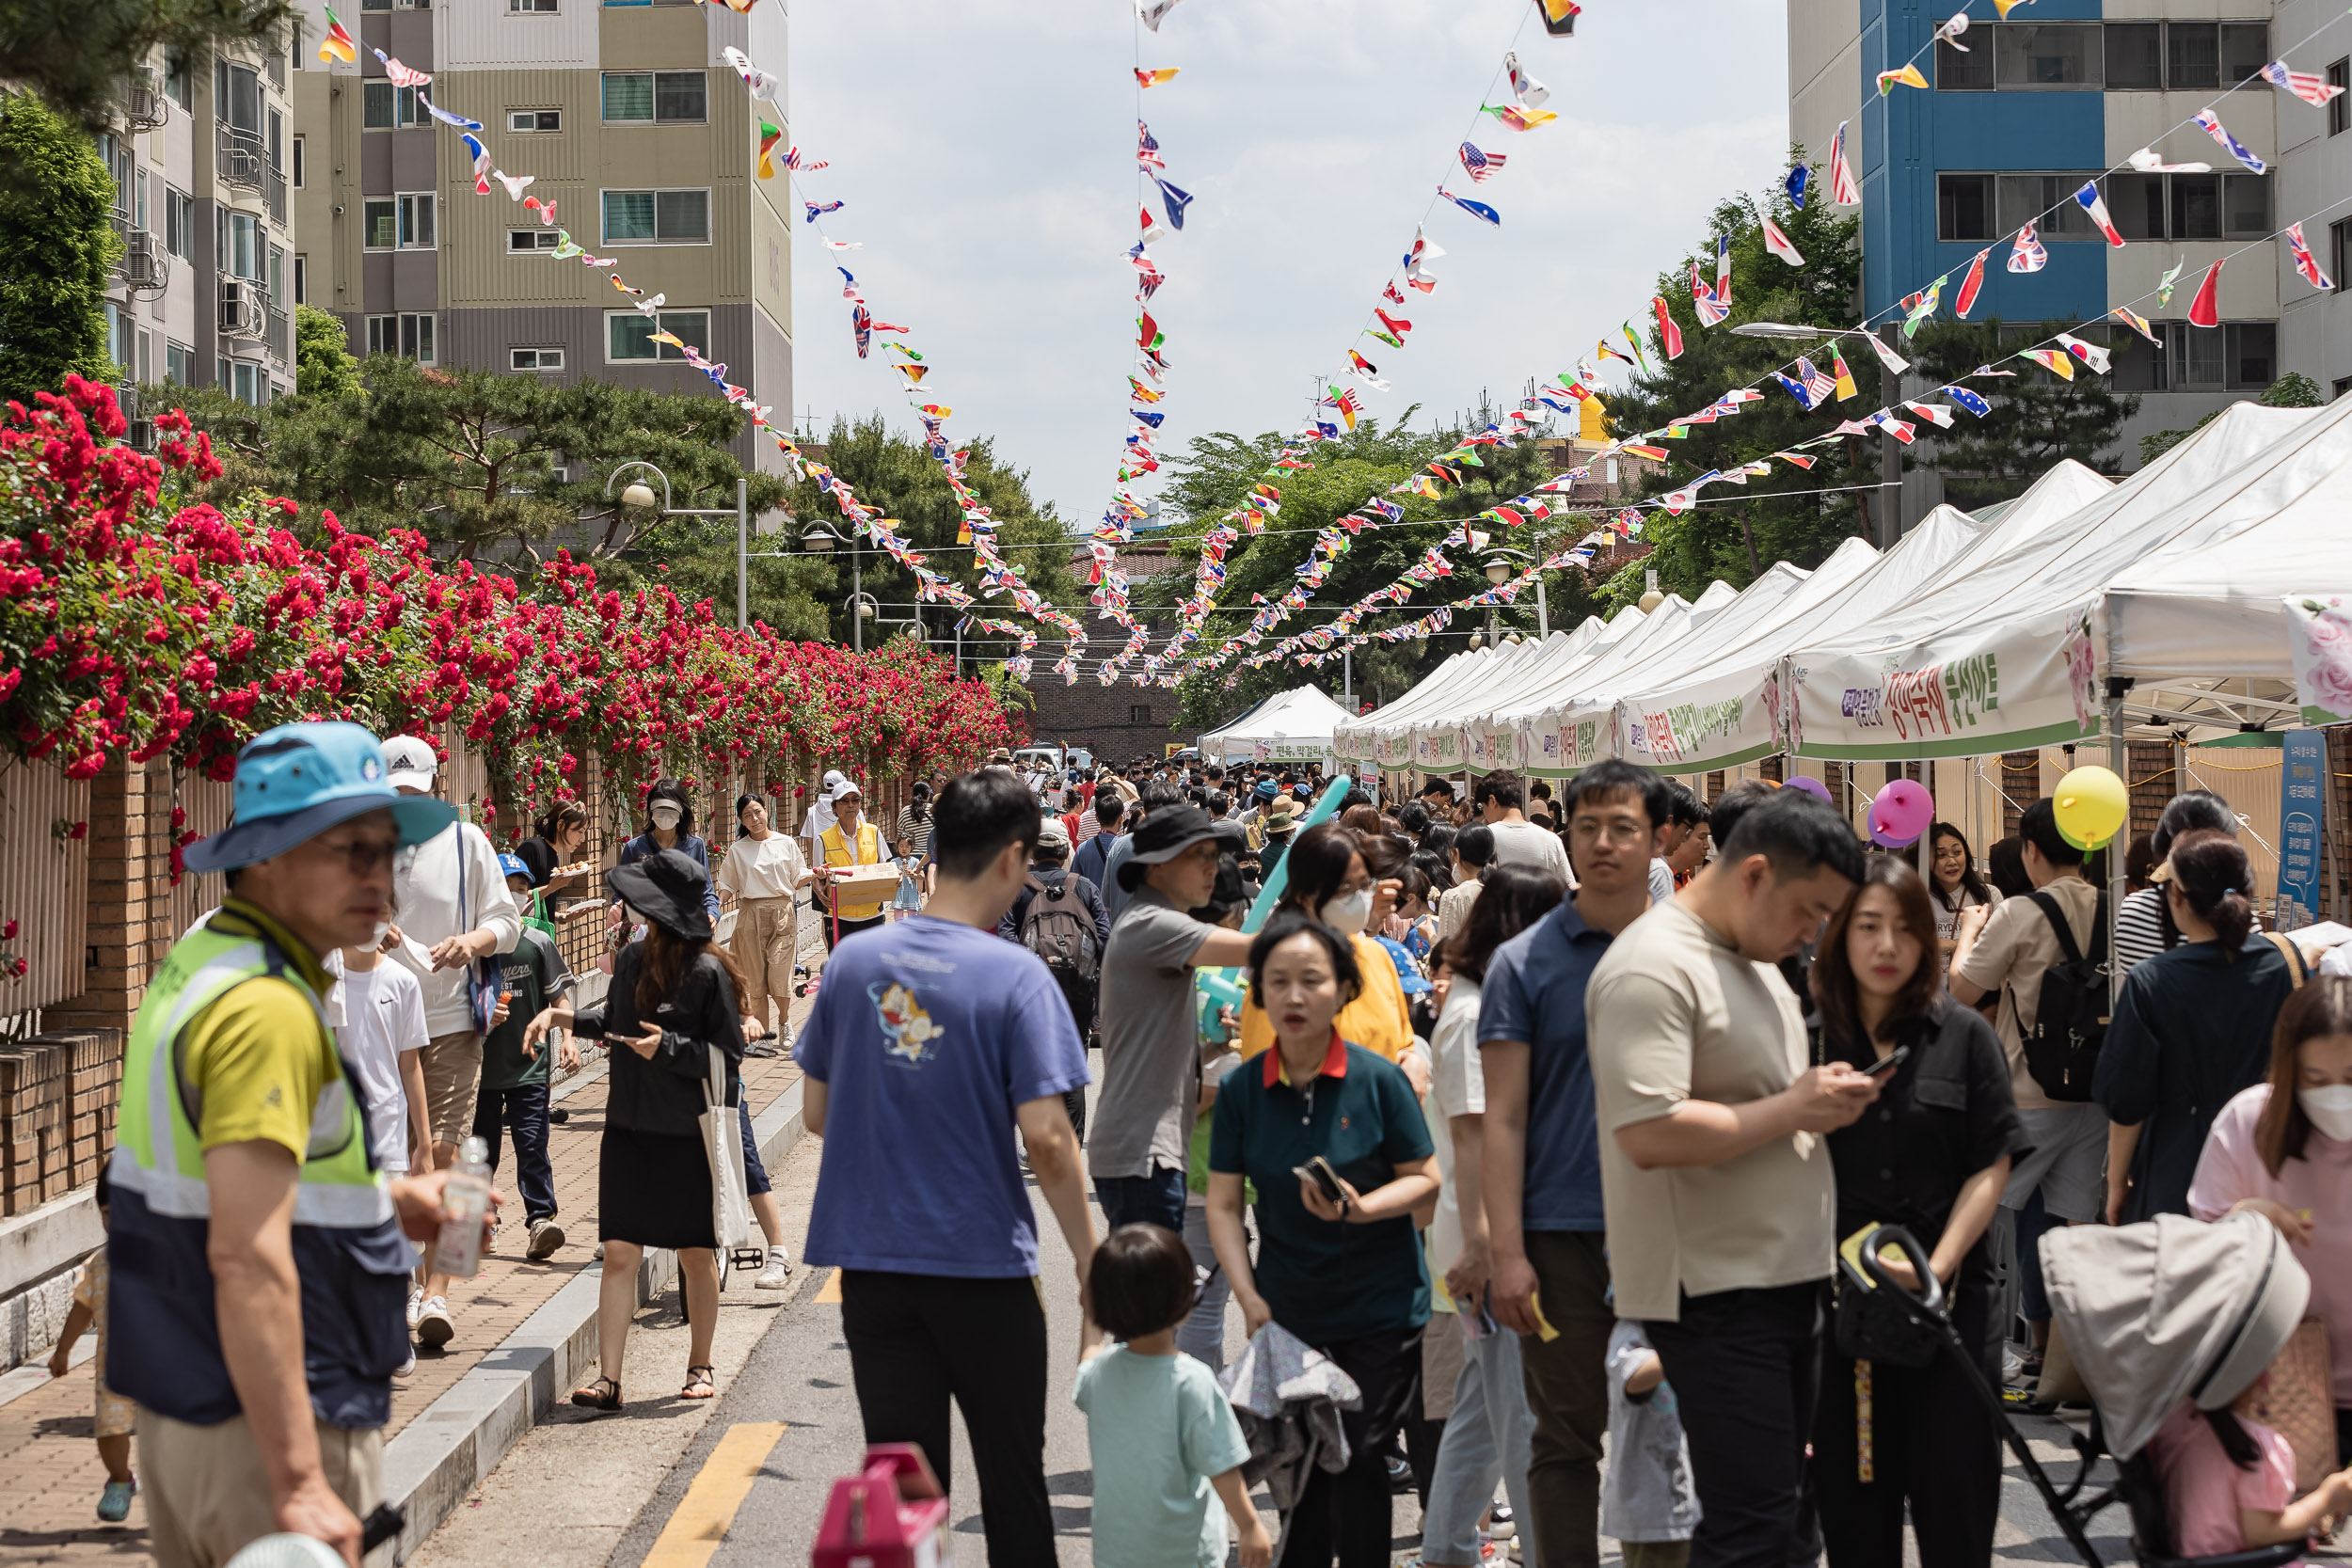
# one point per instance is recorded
(893, 473)
(2290, 390)
(56, 248)
(79, 57)
(1809, 511)
(323, 363)
(2037, 419)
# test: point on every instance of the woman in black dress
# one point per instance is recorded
(1932, 1155)
(671, 1003)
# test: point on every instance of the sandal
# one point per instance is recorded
(700, 1383)
(601, 1394)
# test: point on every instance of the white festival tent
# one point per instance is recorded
(1385, 736)
(1289, 726)
(2008, 653)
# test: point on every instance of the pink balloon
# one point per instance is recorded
(1814, 787)
(1901, 813)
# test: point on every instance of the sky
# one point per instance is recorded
(985, 152)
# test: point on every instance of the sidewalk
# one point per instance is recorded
(50, 1475)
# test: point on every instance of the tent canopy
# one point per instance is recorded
(1290, 726)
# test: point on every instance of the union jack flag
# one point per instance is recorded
(1482, 165)
(2305, 262)
(1711, 311)
(2310, 89)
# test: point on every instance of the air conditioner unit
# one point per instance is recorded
(141, 436)
(145, 107)
(145, 265)
(241, 308)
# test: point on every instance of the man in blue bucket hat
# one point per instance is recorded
(259, 1264)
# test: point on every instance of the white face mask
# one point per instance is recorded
(665, 816)
(383, 928)
(2329, 1108)
(1347, 913)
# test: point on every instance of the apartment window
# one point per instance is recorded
(179, 83)
(531, 8)
(657, 217)
(1963, 206)
(628, 335)
(1139, 713)
(2048, 54)
(1962, 70)
(524, 122)
(534, 358)
(295, 42)
(2339, 250)
(276, 141)
(523, 241)
(658, 96)
(298, 169)
(2237, 356)
(2189, 206)
(242, 380)
(2245, 49)
(2044, 200)
(2193, 54)
(118, 336)
(409, 336)
(398, 222)
(241, 254)
(139, 200)
(2343, 384)
(179, 224)
(179, 364)
(2135, 55)
(386, 107)
(276, 279)
(147, 351)
(238, 96)
(302, 280)
(2339, 108)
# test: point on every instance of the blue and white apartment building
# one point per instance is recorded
(2061, 92)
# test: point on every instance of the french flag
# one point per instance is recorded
(2089, 198)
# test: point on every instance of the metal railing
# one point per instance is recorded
(242, 161)
(144, 105)
(277, 336)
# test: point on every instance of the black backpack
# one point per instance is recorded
(2070, 1021)
(1057, 928)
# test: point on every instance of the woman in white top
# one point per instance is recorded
(1955, 885)
(763, 869)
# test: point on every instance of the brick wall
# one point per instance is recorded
(57, 1097)
(1102, 719)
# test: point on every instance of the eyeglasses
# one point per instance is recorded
(362, 855)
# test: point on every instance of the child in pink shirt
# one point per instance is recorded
(2229, 1481)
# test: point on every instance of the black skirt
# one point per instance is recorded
(653, 1190)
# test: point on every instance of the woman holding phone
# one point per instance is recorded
(1332, 1137)
(1932, 1156)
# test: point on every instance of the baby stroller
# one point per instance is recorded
(2152, 1314)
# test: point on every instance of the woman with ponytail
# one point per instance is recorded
(2191, 1029)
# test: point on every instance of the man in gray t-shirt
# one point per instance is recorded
(1142, 1121)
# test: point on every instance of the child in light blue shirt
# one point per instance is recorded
(1162, 1435)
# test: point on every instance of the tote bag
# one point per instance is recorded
(722, 1143)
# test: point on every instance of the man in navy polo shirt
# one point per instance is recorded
(1544, 1222)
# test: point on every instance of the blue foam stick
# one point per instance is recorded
(1222, 988)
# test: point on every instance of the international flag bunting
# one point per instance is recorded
(2236, 149)
(1656, 454)
(2137, 324)
(1925, 308)
(1799, 178)
(2054, 361)
(1934, 413)
(1635, 339)
(460, 121)
(1722, 271)
(2092, 355)
(2087, 199)
(1153, 77)
(2164, 285)
(1481, 166)
(1523, 86)
(1603, 349)
(768, 136)
(2310, 89)
(1150, 418)
(2028, 253)
(1362, 365)
(1147, 147)
(481, 164)
(762, 84)
(1174, 197)
(1393, 324)
(337, 43)
(1152, 233)
(2005, 6)
(1800, 459)
(1971, 285)
(1669, 335)
(1843, 191)
(1794, 388)
(1388, 292)
(1478, 210)
(1416, 273)
(2305, 262)
(1887, 356)
(1781, 245)
(817, 210)
(1967, 398)
(1149, 12)
(401, 75)
(1902, 429)
(861, 327)
(1388, 338)
(1818, 384)
(914, 373)
(1908, 76)
(1711, 311)
(1518, 117)
(1148, 333)
(1846, 388)
(2205, 310)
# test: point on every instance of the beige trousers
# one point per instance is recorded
(207, 1494)
(765, 932)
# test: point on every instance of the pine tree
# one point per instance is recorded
(2037, 419)
(57, 247)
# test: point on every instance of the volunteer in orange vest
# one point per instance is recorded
(849, 843)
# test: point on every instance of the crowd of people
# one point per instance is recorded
(1523, 1130)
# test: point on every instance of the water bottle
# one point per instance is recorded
(465, 1204)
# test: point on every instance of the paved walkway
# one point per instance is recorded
(50, 1475)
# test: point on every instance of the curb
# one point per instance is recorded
(456, 1441)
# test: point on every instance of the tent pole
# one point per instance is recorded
(2119, 759)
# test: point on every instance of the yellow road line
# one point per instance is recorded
(707, 1508)
(831, 1290)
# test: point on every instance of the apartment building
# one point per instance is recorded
(627, 118)
(202, 294)
(2059, 94)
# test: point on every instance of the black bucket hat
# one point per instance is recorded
(666, 887)
(1167, 832)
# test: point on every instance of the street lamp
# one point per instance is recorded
(1503, 564)
(1776, 329)
(820, 539)
(638, 494)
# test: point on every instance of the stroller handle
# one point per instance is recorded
(1925, 1304)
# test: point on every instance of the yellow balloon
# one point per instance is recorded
(2090, 805)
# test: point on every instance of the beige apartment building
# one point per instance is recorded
(627, 118)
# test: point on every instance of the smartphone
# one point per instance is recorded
(1889, 1062)
(1318, 1170)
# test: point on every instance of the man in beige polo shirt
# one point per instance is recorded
(1715, 1181)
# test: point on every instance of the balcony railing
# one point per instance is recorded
(277, 336)
(242, 162)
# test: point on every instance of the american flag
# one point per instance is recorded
(2310, 89)
(1482, 165)
(1147, 147)
(1818, 383)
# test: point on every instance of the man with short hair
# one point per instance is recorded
(1539, 1232)
(1715, 1175)
(1500, 796)
(1108, 816)
(1116, 891)
(1151, 1034)
(258, 1259)
(1686, 817)
(455, 910)
(1438, 795)
(922, 1033)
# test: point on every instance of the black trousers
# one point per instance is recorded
(1351, 1515)
(836, 930)
(1931, 1442)
(916, 1340)
(1746, 1366)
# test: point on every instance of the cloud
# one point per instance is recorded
(986, 151)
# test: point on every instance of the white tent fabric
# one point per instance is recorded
(1385, 736)
(1290, 726)
(1727, 712)
(1997, 653)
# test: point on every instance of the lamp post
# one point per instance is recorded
(819, 538)
(1502, 564)
(640, 494)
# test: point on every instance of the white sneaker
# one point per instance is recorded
(416, 1305)
(778, 1272)
(434, 1326)
(408, 1365)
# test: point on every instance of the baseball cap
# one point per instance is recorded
(832, 780)
(511, 865)
(409, 763)
(1053, 833)
(296, 781)
(845, 787)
